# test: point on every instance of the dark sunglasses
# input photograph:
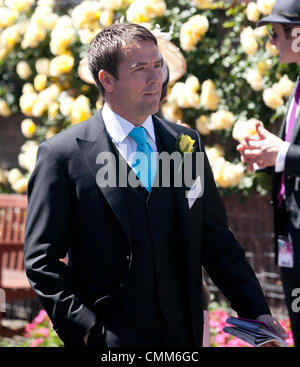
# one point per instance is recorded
(273, 34)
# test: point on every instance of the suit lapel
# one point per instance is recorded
(97, 141)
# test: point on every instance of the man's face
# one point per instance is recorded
(283, 40)
(136, 93)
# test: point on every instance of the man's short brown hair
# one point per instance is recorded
(104, 51)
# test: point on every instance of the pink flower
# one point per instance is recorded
(29, 327)
(36, 342)
(234, 343)
(290, 342)
(42, 331)
(40, 317)
(213, 323)
(221, 339)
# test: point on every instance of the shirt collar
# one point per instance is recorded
(118, 128)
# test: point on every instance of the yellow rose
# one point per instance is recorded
(272, 98)
(22, 6)
(7, 17)
(27, 157)
(26, 102)
(254, 78)
(115, 4)
(286, 86)
(184, 94)
(209, 96)
(40, 82)
(171, 111)
(45, 19)
(80, 110)
(10, 37)
(39, 108)
(213, 153)
(53, 110)
(265, 6)
(106, 17)
(13, 175)
(86, 35)
(137, 13)
(61, 65)
(23, 70)
(46, 3)
(4, 109)
(230, 175)
(260, 32)
(252, 12)
(203, 4)
(271, 49)
(28, 88)
(42, 66)
(221, 120)
(61, 39)
(227, 174)
(248, 41)
(245, 128)
(20, 186)
(86, 13)
(185, 144)
(34, 35)
(202, 125)
(142, 11)
(192, 31)
(28, 128)
(192, 82)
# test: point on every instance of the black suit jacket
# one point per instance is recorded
(288, 216)
(69, 214)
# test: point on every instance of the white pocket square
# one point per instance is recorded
(194, 192)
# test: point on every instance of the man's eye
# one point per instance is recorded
(158, 65)
(139, 68)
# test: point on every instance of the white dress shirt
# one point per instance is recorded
(280, 160)
(118, 129)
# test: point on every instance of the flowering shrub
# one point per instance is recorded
(40, 333)
(233, 75)
(218, 338)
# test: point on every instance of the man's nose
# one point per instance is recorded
(155, 76)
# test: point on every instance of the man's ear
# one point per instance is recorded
(107, 80)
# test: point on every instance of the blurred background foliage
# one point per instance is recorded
(233, 75)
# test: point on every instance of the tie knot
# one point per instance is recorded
(139, 135)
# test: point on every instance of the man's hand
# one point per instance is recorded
(262, 150)
(274, 325)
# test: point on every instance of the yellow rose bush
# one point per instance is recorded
(233, 77)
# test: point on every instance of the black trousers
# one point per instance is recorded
(291, 280)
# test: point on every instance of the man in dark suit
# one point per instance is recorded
(134, 272)
(281, 157)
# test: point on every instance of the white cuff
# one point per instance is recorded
(280, 160)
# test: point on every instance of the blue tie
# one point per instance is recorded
(143, 166)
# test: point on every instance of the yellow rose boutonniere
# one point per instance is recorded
(185, 144)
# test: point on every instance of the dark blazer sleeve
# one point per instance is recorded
(47, 238)
(223, 257)
(292, 160)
